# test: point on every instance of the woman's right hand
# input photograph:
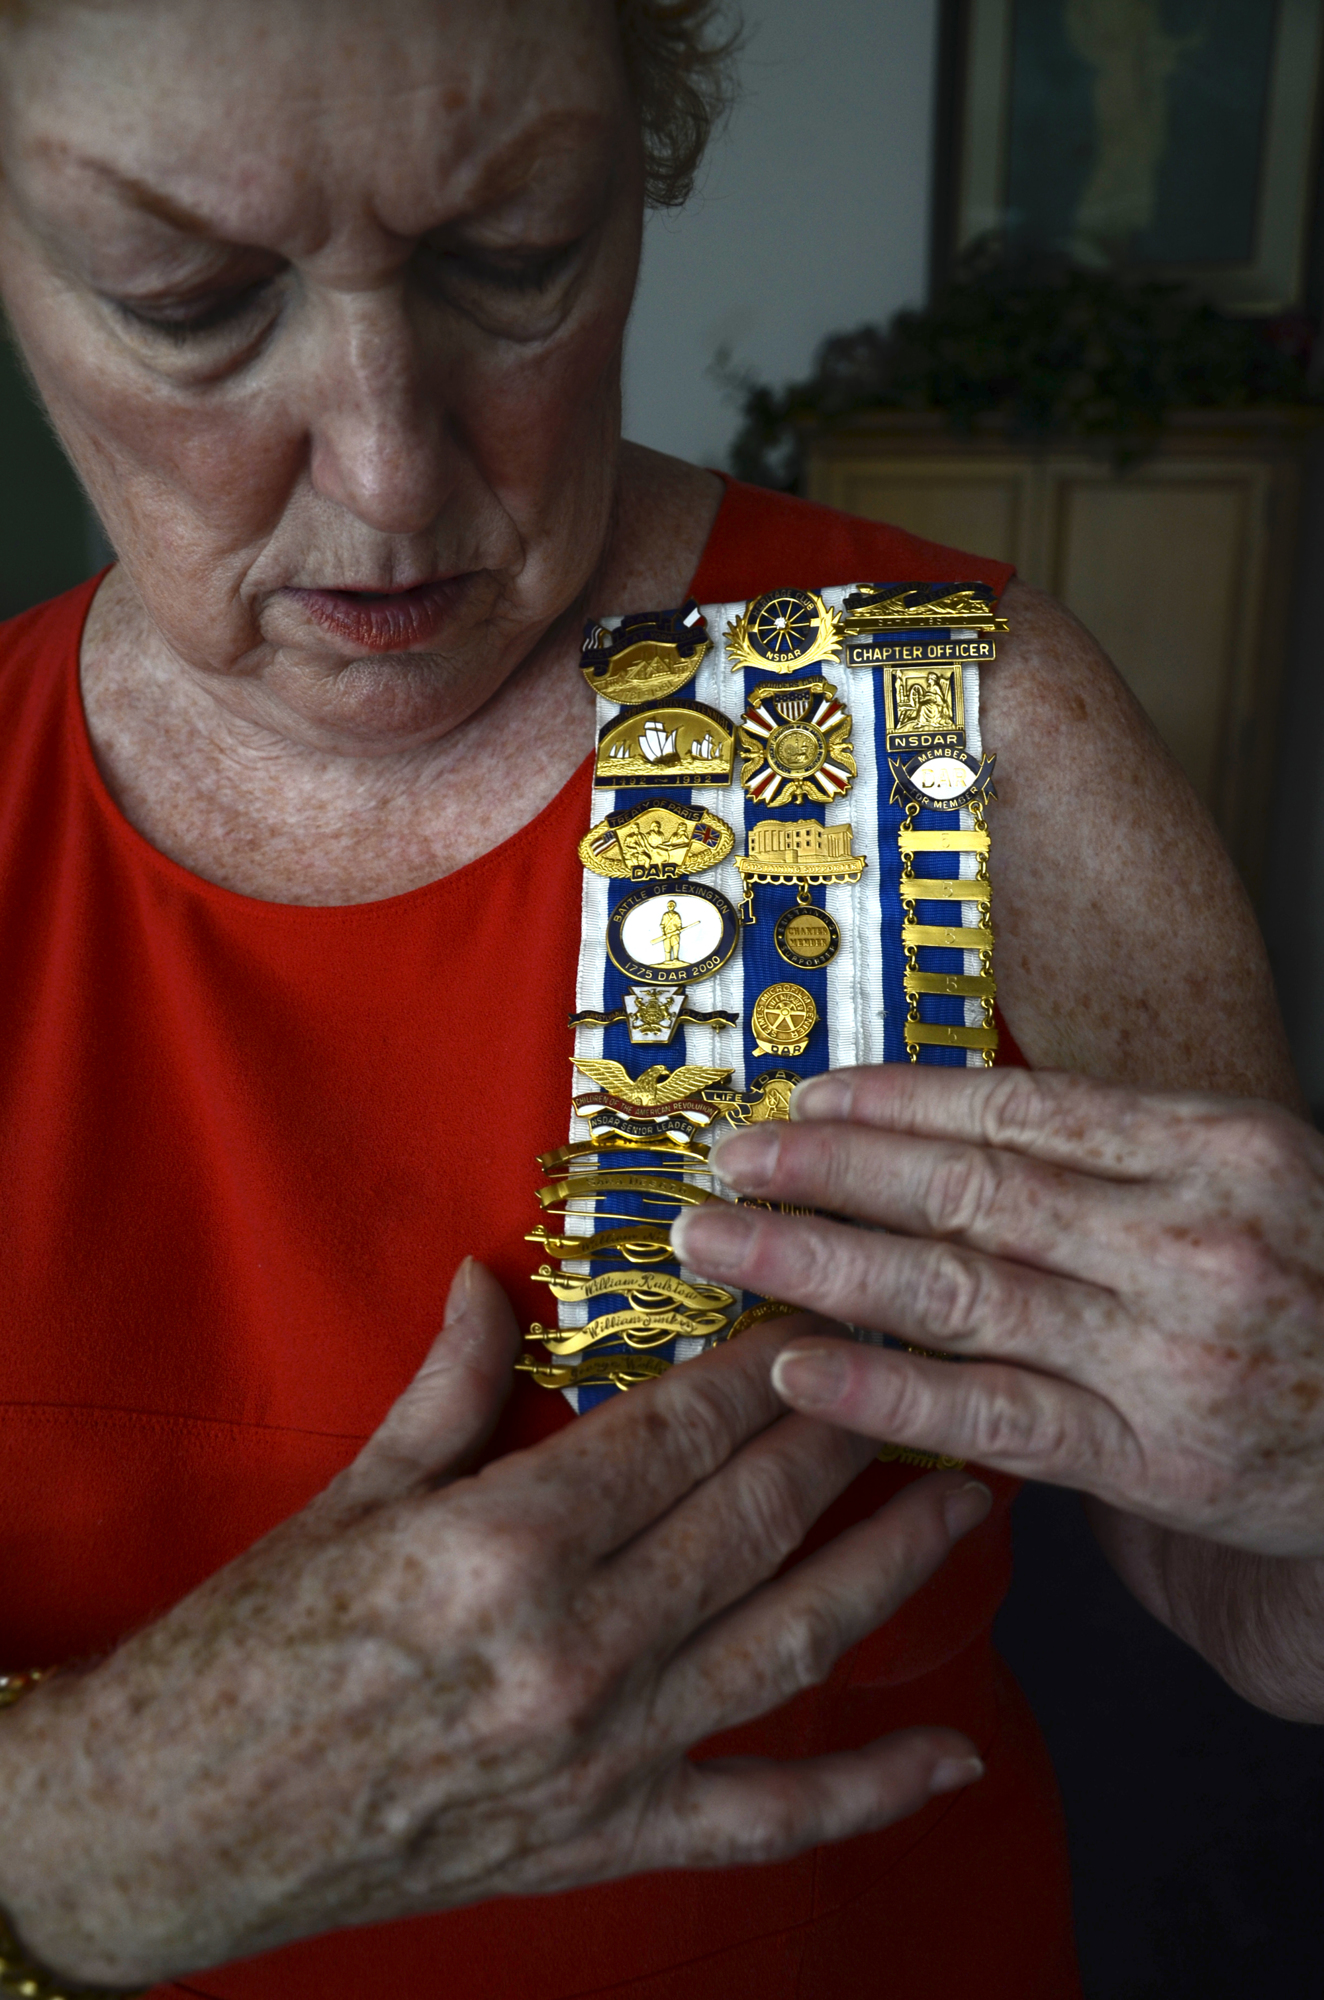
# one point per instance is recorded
(427, 1688)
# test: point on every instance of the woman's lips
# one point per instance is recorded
(385, 621)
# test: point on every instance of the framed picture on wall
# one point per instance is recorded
(1177, 135)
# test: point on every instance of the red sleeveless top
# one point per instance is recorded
(239, 1166)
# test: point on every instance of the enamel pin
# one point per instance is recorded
(655, 1108)
(652, 1015)
(806, 937)
(924, 707)
(795, 744)
(919, 624)
(656, 839)
(645, 658)
(658, 939)
(783, 630)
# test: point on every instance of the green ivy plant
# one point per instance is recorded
(1053, 349)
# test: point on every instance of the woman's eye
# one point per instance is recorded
(511, 292)
(516, 274)
(191, 319)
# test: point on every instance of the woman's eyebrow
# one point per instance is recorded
(504, 177)
(517, 162)
(151, 200)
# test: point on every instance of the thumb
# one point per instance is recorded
(445, 1416)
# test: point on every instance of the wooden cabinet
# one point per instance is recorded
(1182, 566)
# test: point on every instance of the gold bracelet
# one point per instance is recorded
(20, 1973)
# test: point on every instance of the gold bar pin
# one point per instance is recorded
(965, 985)
(939, 1035)
(944, 937)
(944, 889)
(944, 840)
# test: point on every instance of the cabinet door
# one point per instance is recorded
(980, 504)
(1165, 568)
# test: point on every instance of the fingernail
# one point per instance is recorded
(967, 1507)
(821, 1097)
(813, 1377)
(457, 1298)
(950, 1773)
(747, 1160)
(714, 1238)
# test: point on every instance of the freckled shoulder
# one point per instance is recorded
(1126, 943)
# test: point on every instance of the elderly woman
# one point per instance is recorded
(326, 304)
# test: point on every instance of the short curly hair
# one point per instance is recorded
(680, 60)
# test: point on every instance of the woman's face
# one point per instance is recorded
(327, 299)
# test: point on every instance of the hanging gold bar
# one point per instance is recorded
(944, 889)
(938, 1035)
(964, 985)
(943, 937)
(943, 840)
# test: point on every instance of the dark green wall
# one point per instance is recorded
(46, 527)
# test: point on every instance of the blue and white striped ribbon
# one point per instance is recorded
(859, 994)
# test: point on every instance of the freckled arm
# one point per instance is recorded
(1258, 1620)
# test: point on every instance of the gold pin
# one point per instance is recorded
(658, 1142)
(645, 1243)
(675, 1100)
(636, 1329)
(783, 630)
(647, 1291)
(981, 986)
(656, 839)
(930, 1461)
(623, 1371)
(645, 657)
(653, 1014)
(918, 607)
(660, 939)
(653, 1185)
(782, 1020)
(755, 1315)
(799, 851)
(679, 743)
(924, 708)
(806, 937)
(768, 1096)
(795, 744)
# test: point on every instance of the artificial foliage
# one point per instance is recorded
(1051, 349)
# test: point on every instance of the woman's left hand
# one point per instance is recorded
(1136, 1280)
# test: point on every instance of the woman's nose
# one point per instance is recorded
(382, 447)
